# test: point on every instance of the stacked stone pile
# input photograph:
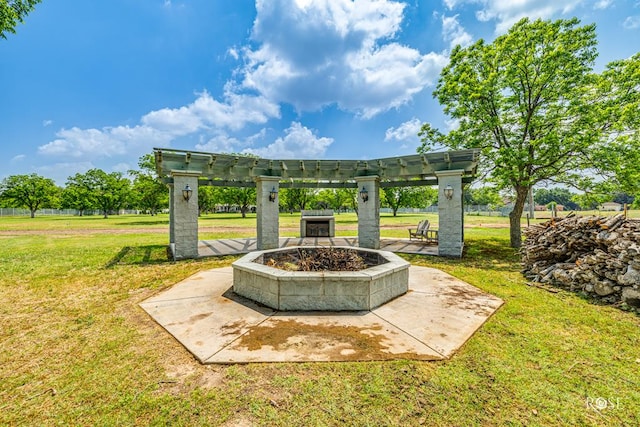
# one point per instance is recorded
(594, 254)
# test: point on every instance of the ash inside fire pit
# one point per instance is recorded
(321, 259)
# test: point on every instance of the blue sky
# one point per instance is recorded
(97, 84)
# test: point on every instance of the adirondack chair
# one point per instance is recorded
(423, 233)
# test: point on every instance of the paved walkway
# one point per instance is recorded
(430, 322)
(207, 248)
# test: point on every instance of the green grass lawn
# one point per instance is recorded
(77, 350)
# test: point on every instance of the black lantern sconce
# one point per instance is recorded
(364, 194)
(448, 192)
(186, 193)
(273, 194)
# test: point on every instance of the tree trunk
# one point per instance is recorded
(33, 213)
(243, 211)
(395, 211)
(516, 214)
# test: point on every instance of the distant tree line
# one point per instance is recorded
(142, 189)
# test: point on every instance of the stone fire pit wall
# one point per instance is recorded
(323, 291)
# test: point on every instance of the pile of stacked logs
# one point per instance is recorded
(596, 255)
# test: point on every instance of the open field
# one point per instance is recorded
(76, 348)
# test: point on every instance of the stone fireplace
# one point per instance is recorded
(317, 223)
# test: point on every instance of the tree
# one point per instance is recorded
(149, 192)
(109, 192)
(521, 100)
(559, 196)
(336, 198)
(13, 12)
(395, 198)
(615, 109)
(297, 198)
(208, 198)
(77, 196)
(29, 191)
(408, 197)
(489, 196)
(243, 197)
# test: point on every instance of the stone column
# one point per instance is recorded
(172, 231)
(183, 215)
(369, 212)
(267, 212)
(450, 214)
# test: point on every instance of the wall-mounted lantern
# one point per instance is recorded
(273, 194)
(364, 194)
(186, 193)
(448, 192)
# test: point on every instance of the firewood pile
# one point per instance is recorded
(320, 259)
(596, 255)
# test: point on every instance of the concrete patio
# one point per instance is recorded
(431, 322)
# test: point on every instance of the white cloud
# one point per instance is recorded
(46, 123)
(451, 4)
(451, 124)
(18, 158)
(106, 142)
(161, 127)
(602, 4)
(455, 33)
(221, 143)
(235, 112)
(60, 172)
(406, 131)
(632, 22)
(233, 52)
(315, 53)
(124, 168)
(508, 12)
(299, 142)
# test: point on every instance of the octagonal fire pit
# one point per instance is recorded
(384, 277)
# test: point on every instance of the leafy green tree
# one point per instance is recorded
(241, 197)
(77, 196)
(395, 198)
(559, 196)
(150, 194)
(521, 100)
(615, 109)
(489, 196)
(13, 12)
(30, 192)
(623, 198)
(408, 197)
(108, 192)
(336, 198)
(208, 198)
(297, 198)
(589, 200)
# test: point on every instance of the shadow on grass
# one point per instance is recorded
(488, 253)
(140, 255)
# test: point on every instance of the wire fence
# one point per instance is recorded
(60, 212)
(480, 210)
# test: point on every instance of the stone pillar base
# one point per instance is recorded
(369, 212)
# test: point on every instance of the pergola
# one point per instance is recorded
(184, 171)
